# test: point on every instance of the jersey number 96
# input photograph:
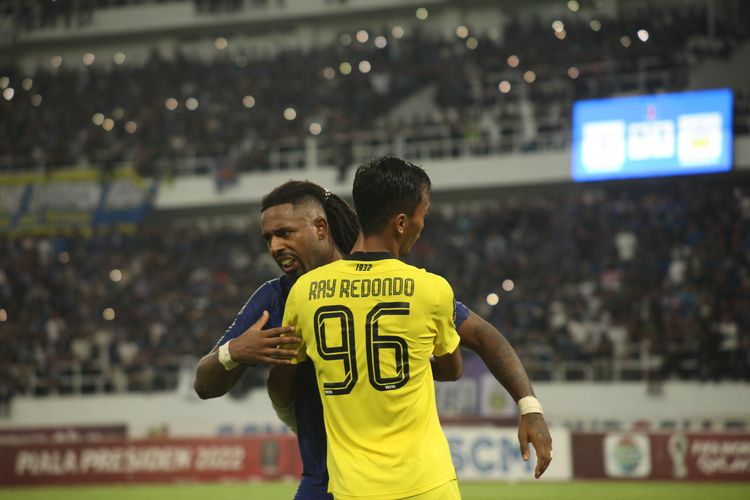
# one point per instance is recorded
(346, 351)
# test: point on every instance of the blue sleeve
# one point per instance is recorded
(260, 301)
(462, 313)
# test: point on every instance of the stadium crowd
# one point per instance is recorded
(179, 107)
(654, 273)
(609, 275)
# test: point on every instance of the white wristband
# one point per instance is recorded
(529, 404)
(225, 358)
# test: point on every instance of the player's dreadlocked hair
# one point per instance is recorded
(341, 218)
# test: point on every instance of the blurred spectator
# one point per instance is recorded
(259, 108)
(566, 297)
(6, 396)
(648, 275)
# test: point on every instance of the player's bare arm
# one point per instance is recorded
(280, 384)
(448, 367)
(281, 391)
(212, 380)
(503, 362)
(254, 346)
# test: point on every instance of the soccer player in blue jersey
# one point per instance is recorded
(305, 226)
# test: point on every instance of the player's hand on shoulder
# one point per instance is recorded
(274, 346)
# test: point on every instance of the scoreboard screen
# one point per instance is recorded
(649, 136)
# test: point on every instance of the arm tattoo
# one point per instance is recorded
(501, 359)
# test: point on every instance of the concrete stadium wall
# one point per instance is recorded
(174, 16)
(446, 175)
(584, 405)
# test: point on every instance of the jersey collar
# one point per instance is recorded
(370, 256)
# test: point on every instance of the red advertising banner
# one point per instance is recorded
(704, 456)
(588, 451)
(662, 456)
(62, 434)
(151, 460)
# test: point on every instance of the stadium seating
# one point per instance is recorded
(663, 290)
(647, 281)
(31, 15)
(492, 94)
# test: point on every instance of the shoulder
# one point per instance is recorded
(270, 287)
(271, 290)
(270, 296)
(440, 290)
(422, 274)
(437, 285)
(437, 281)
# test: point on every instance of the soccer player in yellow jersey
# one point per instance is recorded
(371, 325)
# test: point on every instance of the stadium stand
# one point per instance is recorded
(659, 258)
(30, 15)
(627, 300)
(634, 282)
(178, 112)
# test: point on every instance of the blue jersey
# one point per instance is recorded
(308, 409)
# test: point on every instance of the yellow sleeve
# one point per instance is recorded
(291, 318)
(447, 339)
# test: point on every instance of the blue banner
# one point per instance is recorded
(72, 200)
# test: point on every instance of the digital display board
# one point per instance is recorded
(649, 136)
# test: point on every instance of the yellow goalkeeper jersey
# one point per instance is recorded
(370, 323)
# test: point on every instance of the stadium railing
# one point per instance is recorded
(72, 377)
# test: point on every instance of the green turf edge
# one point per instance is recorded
(537, 490)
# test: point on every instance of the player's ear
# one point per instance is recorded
(321, 227)
(399, 223)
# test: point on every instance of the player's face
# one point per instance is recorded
(414, 225)
(294, 238)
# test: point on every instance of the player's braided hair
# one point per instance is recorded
(341, 217)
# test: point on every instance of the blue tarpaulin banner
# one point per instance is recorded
(68, 200)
